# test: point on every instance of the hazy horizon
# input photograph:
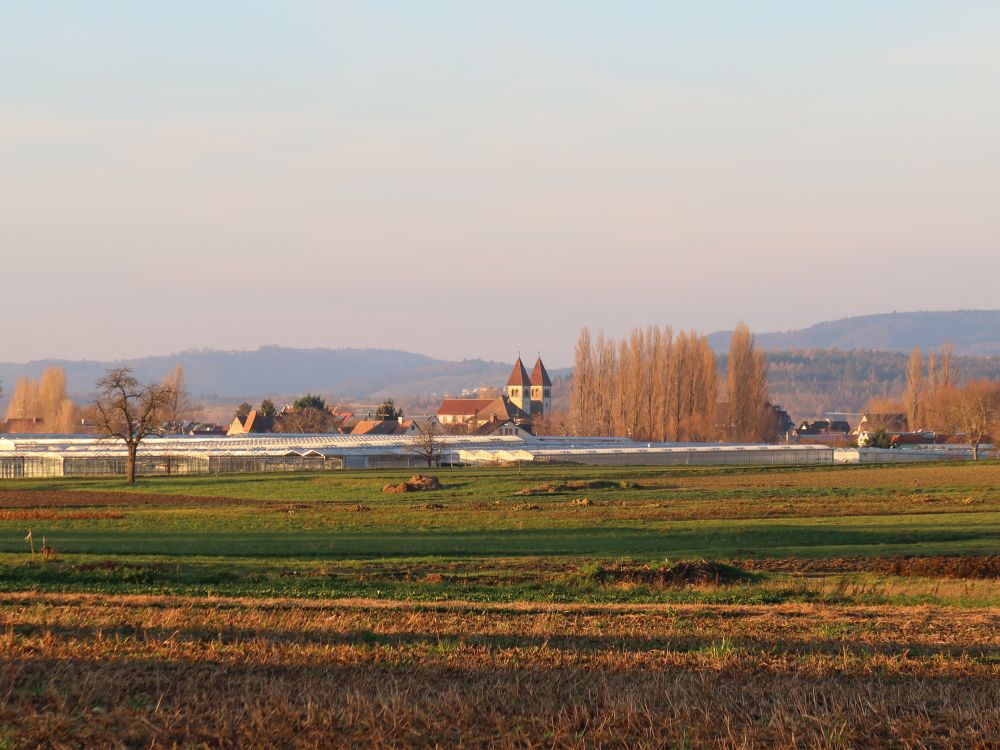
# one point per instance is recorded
(463, 181)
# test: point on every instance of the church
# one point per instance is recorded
(525, 398)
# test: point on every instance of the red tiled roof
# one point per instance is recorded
(376, 427)
(539, 376)
(518, 376)
(463, 406)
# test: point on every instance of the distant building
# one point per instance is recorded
(251, 423)
(815, 427)
(541, 390)
(341, 419)
(532, 395)
(385, 427)
(25, 425)
(524, 399)
(505, 427)
(473, 412)
(455, 411)
(190, 427)
(889, 421)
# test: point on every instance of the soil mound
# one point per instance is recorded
(416, 483)
(554, 488)
(681, 573)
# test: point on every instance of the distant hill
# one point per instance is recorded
(972, 332)
(346, 373)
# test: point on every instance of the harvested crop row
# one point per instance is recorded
(253, 694)
(798, 629)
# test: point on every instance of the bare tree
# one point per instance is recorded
(581, 403)
(24, 402)
(975, 410)
(914, 389)
(44, 400)
(130, 411)
(747, 385)
(180, 406)
(51, 394)
(428, 445)
(649, 386)
(947, 374)
(306, 420)
(935, 398)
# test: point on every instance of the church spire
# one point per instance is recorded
(518, 376)
(540, 376)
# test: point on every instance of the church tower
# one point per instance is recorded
(519, 387)
(541, 390)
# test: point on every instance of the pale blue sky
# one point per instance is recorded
(464, 178)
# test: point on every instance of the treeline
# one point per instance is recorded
(42, 405)
(655, 385)
(815, 382)
(939, 398)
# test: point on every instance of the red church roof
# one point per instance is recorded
(539, 376)
(518, 376)
(463, 407)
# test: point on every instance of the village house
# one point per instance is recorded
(386, 427)
(251, 423)
(890, 422)
(502, 427)
(818, 427)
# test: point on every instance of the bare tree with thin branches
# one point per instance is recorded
(914, 389)
(128, 410)
(428, 445)
(975, 410)
(747, 387)
(180, 406)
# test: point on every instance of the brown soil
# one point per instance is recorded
(115, 565)
(971, 566)
(682, 573)
(87, 498)
(554, 488)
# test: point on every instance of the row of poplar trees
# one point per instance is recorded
(655, 385)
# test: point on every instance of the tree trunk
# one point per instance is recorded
(975, 451)
(131, 463)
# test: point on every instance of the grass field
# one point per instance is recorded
(838, 607)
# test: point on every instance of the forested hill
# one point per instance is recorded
(969, 331)
(812, 383)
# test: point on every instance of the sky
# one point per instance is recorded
(463, 179)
